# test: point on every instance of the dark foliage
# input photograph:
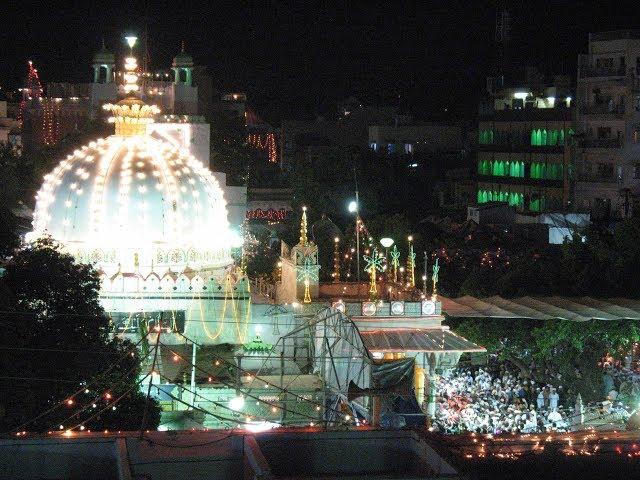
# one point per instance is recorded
(56, 342)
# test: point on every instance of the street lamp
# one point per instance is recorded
(131, 40)
(386, 242)
(354, 208)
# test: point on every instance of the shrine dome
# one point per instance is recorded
(133, 203)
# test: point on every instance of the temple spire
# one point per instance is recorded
(303, 227)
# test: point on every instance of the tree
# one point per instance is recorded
(10, 192)
(56, 347)
(560, 352)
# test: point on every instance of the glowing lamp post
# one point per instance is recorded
(354, 208)
(411, 263)
(131, 40)
(336, 259)
(386, 242)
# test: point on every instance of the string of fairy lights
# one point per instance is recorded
(76, 399)
(472, 446)
(96, 403)
(587, 442)
(266, 142)
(404, 273)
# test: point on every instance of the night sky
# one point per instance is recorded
(295, 61)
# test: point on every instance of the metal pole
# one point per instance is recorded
(153, 367)
(355, 178)
(283, 392)
(357, 242)
(424, 282)
(193, 375)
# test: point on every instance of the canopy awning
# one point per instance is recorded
(430, 340)
(579, 309)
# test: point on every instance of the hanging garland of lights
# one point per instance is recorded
(33, 90)
(266, 142)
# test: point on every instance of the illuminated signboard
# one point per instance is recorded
(368, 309)
(397, 308)
(270, 214)
(126, 322)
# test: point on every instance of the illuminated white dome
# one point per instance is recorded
(134, 202)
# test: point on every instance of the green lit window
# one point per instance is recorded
(484, 167)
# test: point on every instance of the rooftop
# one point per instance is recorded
(615, 35)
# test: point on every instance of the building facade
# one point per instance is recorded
(524, 151)
(608, 124)
(415, 138)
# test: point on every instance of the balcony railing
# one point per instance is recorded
(592, 71)
(601, 143)
(602, 109)
(593, 178)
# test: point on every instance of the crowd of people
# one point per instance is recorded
(500, 402)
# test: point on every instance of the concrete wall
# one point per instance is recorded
(96, 458)
(362, 453)
(214, 455)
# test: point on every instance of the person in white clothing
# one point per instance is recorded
(553, 400)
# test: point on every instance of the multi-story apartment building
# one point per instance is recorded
(524, 150)
(608, 125)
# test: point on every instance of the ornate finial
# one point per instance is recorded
(131, 115)
(104, 48)
(182, 46)
(336, 260)
(434, 277)
(374, 263)
(303, 227)
(411, 263)
(395, 262)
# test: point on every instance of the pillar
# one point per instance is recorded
(96, 73)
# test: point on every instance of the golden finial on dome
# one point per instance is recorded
(131, 115)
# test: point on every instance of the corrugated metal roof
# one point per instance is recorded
(417, 340)
(579, 309)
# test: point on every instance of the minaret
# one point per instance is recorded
(182, 63)
(103, 88)
(300, 268)
(104, 60)
(183, 92)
